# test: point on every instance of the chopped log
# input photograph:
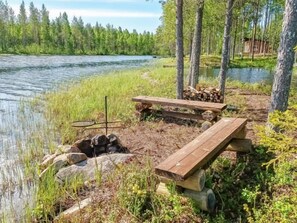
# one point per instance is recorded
(162, 189)
(142, 106)
(209, 115)
(205, 125)
(195, 182)
(240, 145)
(205, 199)
(241, 134)
(179, 115)
(203, 94)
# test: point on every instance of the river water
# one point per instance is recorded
(25, 77)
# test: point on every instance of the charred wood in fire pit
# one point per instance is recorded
(100, 140)
(84, 145)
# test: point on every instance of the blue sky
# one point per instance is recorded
(130, 14)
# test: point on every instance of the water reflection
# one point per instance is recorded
(245, 75)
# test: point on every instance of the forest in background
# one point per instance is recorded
(35, 33)
(261, 19)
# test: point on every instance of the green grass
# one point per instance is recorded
(246, 190)
(85, 100)
(259, 62)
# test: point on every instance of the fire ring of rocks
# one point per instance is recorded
(100, 144)
(83, 157)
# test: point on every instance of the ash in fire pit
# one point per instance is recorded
(100, 144)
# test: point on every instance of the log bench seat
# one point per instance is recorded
(201, 150)
(186, 166)
(202, 110)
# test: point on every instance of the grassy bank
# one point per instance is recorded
(247, 191)
(215, 61)
(85, 101)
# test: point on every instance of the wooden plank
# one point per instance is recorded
(198, 152)
(182, 115)
(204, 106)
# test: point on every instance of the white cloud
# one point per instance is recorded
(103, 13)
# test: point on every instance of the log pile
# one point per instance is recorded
(203, 94)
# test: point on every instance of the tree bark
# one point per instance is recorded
(205, 199)
(194, 182)
(208, 42)
(196, 47)
(285, 59)
(255, 30)
(225, 53)
(234, 41)
(242, 34)
(179, 49)
(263, 45)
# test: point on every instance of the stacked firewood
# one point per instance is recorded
(203, 94)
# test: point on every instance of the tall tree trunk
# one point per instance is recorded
(190, 45)
(224, 62)
(263, 42)
(179, 49)
(285, 58)
(268, 45)
(255, 29)
(242, 34)
(208, 42)
(196, 47)
(234, 41)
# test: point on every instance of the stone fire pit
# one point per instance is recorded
(85, 158)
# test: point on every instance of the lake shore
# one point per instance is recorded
(252, 101)
(84, 100)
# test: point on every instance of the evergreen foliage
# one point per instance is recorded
(267, 24)
(34, 33)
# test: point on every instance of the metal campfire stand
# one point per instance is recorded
(89, 124)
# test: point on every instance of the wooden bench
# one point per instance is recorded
(210, 110)
(201, 150)
(185, 167)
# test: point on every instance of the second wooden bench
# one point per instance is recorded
(201, 110)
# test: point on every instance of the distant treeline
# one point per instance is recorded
(36, 34)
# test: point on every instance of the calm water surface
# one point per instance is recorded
(245, 75)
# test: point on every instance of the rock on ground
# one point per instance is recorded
(88, 169)
(75, 209)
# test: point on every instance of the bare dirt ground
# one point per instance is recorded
(160, 138)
